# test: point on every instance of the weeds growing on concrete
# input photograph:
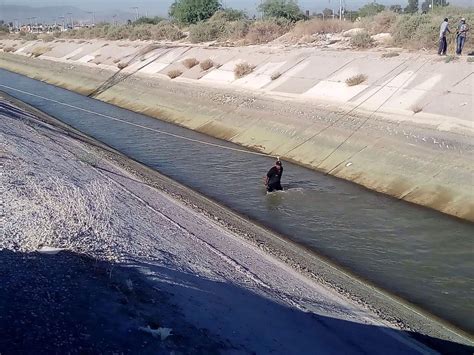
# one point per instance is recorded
(451, 58)
(243, 69)
(416, 109)
(275, 75)
(174, 73)
(390, 54)
(37, 51)
(122, 65)
(190, 62)
(356, 80)
(206, 64)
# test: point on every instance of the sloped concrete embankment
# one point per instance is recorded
(406, 131)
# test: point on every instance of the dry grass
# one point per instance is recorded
(243, 69)
(38, 51)
(381, 23)
(318, 26)
(356, 79)
(390, 54)
(122, 65)
(8, 49)
(275, 75)
(416, 109)
(190, 62)
(56, 213)
(470, 59)
(266, 31)
(174, 73)
(362, 40)
(47, 38)
(206, 64)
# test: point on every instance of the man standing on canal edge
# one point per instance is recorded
(443, 44)
(273, 178)
(461, 36)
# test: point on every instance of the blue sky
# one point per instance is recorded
(154, 7)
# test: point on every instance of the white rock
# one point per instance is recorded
(353, 31)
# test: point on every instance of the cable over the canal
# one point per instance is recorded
(138, 125)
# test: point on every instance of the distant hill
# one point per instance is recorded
(49, 14)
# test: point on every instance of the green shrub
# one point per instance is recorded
(193, 11)
(371, 9)
(409, 29)
(361, 40)
(287, 9)
(148, 20)
(229, 15)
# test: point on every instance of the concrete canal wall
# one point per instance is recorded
(406, 130)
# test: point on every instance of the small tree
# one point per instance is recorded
(148, 20)
(426, 5)
(327, 13)
(396, 8)
(371, 9)
(287, 9)
(193, 11)
(412, 7)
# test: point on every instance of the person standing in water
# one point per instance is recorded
(273, 178)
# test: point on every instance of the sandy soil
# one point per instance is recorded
(138, 264)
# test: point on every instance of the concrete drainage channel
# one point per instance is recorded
(302, 259)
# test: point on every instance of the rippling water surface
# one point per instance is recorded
(418, 254)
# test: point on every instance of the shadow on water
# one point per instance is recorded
(69, 303)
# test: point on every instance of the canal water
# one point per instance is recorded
(420, 255)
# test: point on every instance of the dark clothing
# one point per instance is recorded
(274, 178)
(443, 46)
